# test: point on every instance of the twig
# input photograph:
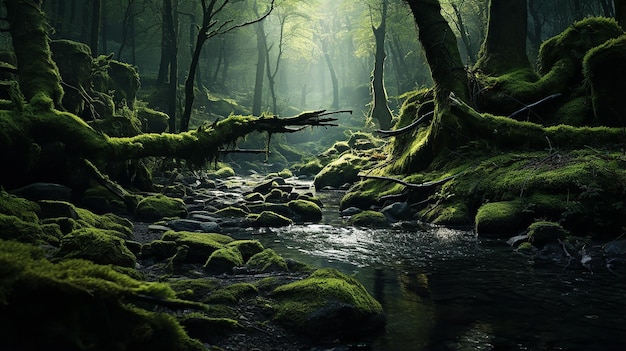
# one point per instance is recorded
(528, 107)
(390, 133)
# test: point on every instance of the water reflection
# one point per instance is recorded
(444, 289)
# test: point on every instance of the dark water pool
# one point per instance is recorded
(445, 289)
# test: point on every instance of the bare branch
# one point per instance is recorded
(250, 22)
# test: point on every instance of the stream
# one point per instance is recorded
(445, 289)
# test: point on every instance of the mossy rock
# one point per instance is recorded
(254, 197)
(267, 261)
(99, 199)
(369, 218)
(499, 218)
(223, 261)
(222, 173)
(328, 305)
(200, 245)
(311, 168)
(231, 294)
(209, 329)
(542, 233)
(232, 211)
(14, 228)
(159, 249)
(16, 206)
(96, 245)
(194, 289)
(92, 301)
(247, 248)
(269, 219)
(281, 209)
(343, 170)
(277, 195)
(155, 207)
(307, 210)
(454, 213)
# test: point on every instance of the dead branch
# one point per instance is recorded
(410, 127)
(531, 106)
(412, 185)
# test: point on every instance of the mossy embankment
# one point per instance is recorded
(536, 145)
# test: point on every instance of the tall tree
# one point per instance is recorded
(380, 109)
(96, 11)
(325, 45)
(504, 48)
(261, 42)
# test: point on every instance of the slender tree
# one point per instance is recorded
(380, 109)
(96, 11)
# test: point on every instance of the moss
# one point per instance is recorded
(13, 228)
(247, 248)
(454, 213)
(156, 207)
(76, 303)
(194, 289)
(231, 211)
(232, 293)
(254, 197)
(269, 219)
(209, 329)
(498, 218)
(311, 167)
(108, 221)
(542, 233)
(369, 218)
(267, 261)
(223, 260)
(327, 304)
(152, 121)
(222, 173)
(200, 245)
(342, 146)
(308, 210)
(339, 172)
(97, 245)
(100, 198)
(158, 249)
(276, 195)
(15, 206)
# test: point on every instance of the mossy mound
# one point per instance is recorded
(267, 261)
(96, 245)
(16, 206)
(269, 219)
(343, 170)
(76, 304)
(369, 218)
(328, 305)
(200, 246)
(247, 248)
(231, 211)
(232, 293)
(222, 173)
(542, 233)
(155, 207)
(223, 261)
(307, 210)
(209, 329)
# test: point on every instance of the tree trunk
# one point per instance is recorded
(620, 12)
(464, 37)
(504, 48)
(38, 75)
(96, 10)
(168, 42)
(440, 46)
(380, 109)
(260, 69)
(329, 64)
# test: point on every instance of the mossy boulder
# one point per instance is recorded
(209, 329)
(343, 170)
(96, 245)
(16, 206)
(232, 293)
(14, 228)
(310, 168)
(155, 207)
(307, 210)
(369, 218)
(328, 305)
(269, 219)
(247, 248)
(75, 303)
(223, 261)
(543, 232)
(159, 249)
(232, 211)
(499, 218)
(223, 172)
(267, 261)
(200, 245)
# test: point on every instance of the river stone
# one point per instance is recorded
(350, 211)
(397, 211)
(615, 248)
(57, 209)
(44, 191)
(192, 225)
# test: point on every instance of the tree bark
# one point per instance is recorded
(504, 48)
(96, 10)
(38, 75)
(260, 68)
(329, 64)
(380, 108)
(440, 46)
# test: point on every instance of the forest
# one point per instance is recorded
(156, 155)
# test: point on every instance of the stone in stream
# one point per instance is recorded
(397, 211)
(350, 211)
(192, 225)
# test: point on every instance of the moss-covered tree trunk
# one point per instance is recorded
(38, 75)
(380, 109)
(440, 46)
(504, 48)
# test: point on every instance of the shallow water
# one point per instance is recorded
(445, 289)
